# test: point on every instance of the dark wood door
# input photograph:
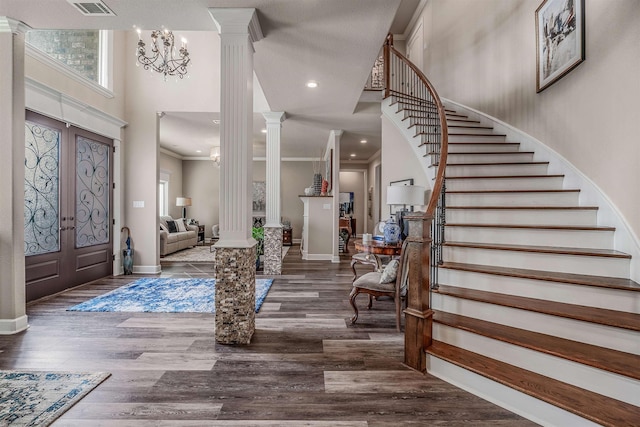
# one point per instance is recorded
(68, 206)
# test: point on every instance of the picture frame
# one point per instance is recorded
(560, 40)
(395, 208)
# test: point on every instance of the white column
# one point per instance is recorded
(334, 140)
(13, 316)
(273, 227)
(274, 124)
(235, 264)
(239, 29)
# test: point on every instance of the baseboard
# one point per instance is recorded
(13, 326)
(147, 269)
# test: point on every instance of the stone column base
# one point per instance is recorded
(272, 250)
(235, 295)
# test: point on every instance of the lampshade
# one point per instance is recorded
(183, 201)
(405, 195)
(214, 155)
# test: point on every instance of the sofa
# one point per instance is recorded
(176, 235)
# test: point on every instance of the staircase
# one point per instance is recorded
(534, 310)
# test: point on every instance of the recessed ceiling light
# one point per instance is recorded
(198, 151)
(353, 154)
(312, 84)
(216, 121)
(263, 131)
(363, 141)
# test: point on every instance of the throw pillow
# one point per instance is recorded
(180, 224)
(390, 271)
(162, 227)
(171, 225)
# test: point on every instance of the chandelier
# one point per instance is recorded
(214, 155)
(163, 58)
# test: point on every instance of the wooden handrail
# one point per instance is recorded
(413, 87)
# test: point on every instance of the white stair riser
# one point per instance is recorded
(507, 183)
(461, 137)
(591, 296)
(469, 129)
(523, 216)
(562, 198)
(472, 147)
(576, 330)
(594, 265)
(538, 237)
(496, 170)
(489, 157)
(533, 409)
(583, 376)
(453, 121)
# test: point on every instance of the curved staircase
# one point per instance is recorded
(534, 309)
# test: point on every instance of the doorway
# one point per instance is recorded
(68, 206)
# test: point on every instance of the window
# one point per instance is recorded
(86, 53)
(163, 198)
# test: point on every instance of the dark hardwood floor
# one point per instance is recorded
(306, 364)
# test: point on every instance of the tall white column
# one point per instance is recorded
(273, 227)
(334, 141)
(13, 316)
(236, 253)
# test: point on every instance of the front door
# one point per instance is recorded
(68, 206)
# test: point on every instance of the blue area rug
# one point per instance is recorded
(38, 398)
(165, 295)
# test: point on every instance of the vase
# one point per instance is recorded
(127, 261)
(317, 184)
(391, 231)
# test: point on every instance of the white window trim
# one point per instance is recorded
(106, 45)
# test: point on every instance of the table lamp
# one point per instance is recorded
(404, 195)
(183, 202)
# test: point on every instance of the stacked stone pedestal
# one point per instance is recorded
(235, 295)
(272, 250)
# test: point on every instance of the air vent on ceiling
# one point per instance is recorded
(94, 8)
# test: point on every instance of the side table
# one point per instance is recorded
(287, 238)
(200, 234)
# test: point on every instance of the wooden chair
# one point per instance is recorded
(369, 283)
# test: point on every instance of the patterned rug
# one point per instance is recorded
(199, 254)
(165, 295)
(38, 398)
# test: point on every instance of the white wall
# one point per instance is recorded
(482, 54)
(398, 163)
(200, 180)
(146, 95)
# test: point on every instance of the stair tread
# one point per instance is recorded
(534, 226)
(502, 153)
(493, 164)
(601, 316)
(503, 176)
(470, 127)
(553, 276)
(590, 208)
(515, 191)
(618, 362)
(609, 253)
(476, 134)
(484, 143)
(595, 407)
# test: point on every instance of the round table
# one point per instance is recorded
(369, 253)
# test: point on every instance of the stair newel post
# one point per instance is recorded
(387, 64)
(418, 314)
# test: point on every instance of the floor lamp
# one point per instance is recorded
(183, 202)
(405, 195)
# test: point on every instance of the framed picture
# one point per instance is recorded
(559, 40)
(395, 208)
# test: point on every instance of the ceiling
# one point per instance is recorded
(334, 42)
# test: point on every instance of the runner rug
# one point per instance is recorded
(37, 398)
(165, 295)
